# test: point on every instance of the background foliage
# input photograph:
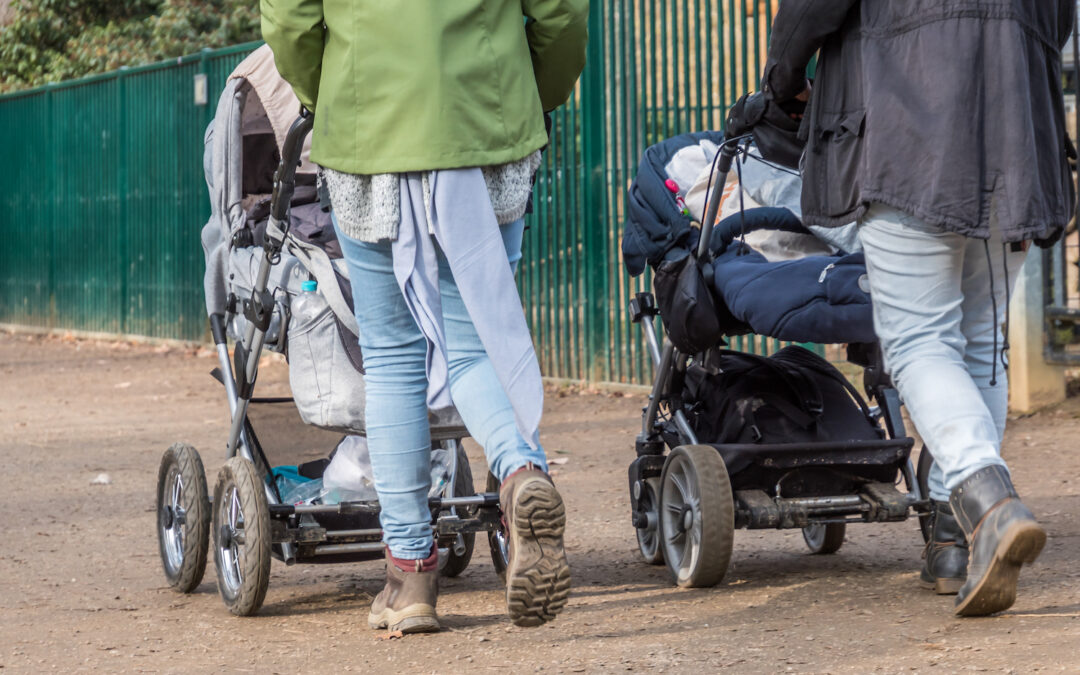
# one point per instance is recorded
(54, 40)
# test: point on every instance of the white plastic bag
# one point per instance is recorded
(349, 477)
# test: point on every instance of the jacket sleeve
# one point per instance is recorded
(557, 31)
(294, 30)
(799, 30)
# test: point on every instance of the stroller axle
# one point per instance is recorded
(876, 502)
(345, 508)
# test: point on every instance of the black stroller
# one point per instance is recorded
(268, 244)
(703, 468)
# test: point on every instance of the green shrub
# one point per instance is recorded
(54, 40)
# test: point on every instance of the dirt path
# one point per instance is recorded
(81, 586)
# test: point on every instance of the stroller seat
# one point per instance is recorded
(243, 148)
(809, 293)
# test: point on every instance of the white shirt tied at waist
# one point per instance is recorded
(460, 210)
(458, 216)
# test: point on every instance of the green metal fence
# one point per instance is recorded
(104, 196)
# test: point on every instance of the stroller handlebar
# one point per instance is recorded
(285, 176)
(716, 193)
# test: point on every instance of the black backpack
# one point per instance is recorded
(793, 396)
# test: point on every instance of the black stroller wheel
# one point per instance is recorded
(648, 537)
(183, 517)
(824, 538)
(455, 556)
(697, 516)
(498, 540)
(241, 537)
(922, 477)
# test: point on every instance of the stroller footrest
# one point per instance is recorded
(886, 502)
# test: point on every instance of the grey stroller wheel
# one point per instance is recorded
(241, 537)
(498, 539)
(824, 538)
(648, 537)
(183, 517)
(455, 557)
(697, 516)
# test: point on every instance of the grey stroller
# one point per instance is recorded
(275, 282)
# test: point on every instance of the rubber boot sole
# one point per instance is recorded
(412, 619)
(996, 590)
(538, 578)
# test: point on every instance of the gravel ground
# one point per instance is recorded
(81, 586)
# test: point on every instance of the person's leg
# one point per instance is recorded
(915, 279)
(980, 326)
(396, 411)
(477, 393)
(537, 573)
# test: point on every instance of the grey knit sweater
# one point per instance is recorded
(368, 207)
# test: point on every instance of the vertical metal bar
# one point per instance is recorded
(699, 63)
(575, 157)
(536, 267)
(752, 76)
(123, 203)
(690, 99)
(664, 65)
(592, 138)
(51, 207)
(733, 61)
(745, 49)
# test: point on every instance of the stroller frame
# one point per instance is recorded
(250, 524)
(693, 535)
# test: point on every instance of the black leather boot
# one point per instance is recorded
(1002, 534)
(946, 553)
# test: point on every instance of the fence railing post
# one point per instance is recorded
(595, 364)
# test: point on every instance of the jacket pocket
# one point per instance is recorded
(839, 137)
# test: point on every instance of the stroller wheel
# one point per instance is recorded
(497, 538)
(241, 537)
(697, 516)
(922, 477)
(455, 557)
(183, 517)
(648, 537)
(824, 538)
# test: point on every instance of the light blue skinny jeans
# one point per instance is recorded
(396, 412)
(934, 316)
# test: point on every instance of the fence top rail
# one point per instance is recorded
(127, 71)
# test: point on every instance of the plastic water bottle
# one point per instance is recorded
(307, 307)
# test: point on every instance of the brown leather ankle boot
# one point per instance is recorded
(538, 575)
(946, 553)
(1002, 534)
(407, 602)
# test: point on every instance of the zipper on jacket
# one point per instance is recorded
(821, 279)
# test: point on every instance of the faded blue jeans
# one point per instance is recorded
(934, 314)
(395, 351)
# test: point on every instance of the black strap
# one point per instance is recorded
(805, 390)
(808, 359)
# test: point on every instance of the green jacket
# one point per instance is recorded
(411, 85)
